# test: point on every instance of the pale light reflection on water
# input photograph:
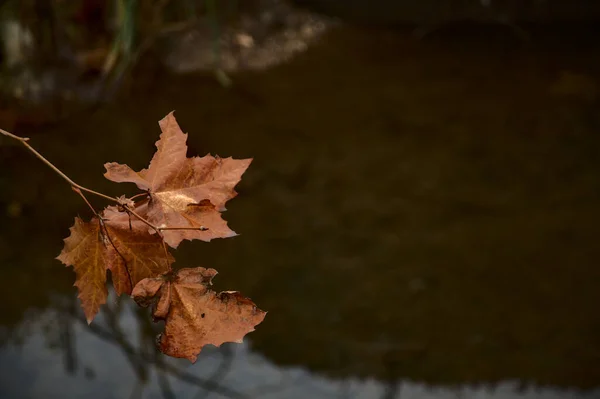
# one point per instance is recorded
(83, 360)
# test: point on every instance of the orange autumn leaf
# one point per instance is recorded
(86, 250)
(184, 192)
(194, 315)
(131, 254)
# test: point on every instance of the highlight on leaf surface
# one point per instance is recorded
(184, 192)
(194, 315)
(118, 244)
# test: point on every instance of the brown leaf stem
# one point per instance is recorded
(78, 191)
(139, 195)
(142, 219)
(201, 228)
(147, 223)
(105, 232)
(24, 141)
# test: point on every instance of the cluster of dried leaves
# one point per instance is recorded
(182, 199)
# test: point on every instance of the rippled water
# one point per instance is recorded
(420, 220)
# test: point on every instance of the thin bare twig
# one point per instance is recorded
(139, 195)
(159, 230)
(103, 226)
(142, 219)
(201, 228)
(24, 141)
(78, 191)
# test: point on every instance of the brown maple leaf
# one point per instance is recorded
(194, 315)
(127, 250)
(141, 255)
(86, 250)
(184, 192)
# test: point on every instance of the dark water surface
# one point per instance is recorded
(421, 221)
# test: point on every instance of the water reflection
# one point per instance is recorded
(114, 358)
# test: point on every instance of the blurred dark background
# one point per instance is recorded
(421, 218)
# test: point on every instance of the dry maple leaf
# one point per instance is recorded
(86, 250)
(142, 255)
(131, 254)
(184, 192)
(194, 315)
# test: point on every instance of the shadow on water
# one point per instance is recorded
(418, 219)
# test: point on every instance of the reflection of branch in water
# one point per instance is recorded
(392, 390)
(147, 331)
(136, 393)
(146, 337)
(164, 384)
(130, 350)
(391, 364)
(138, 366)
(221, 372)
(67, 338)
(147, 341)
(146, 334)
